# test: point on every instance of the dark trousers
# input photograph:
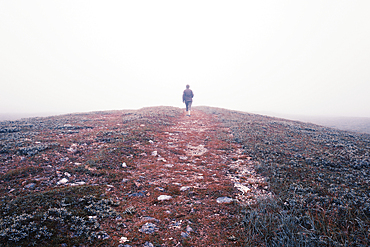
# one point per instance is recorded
(188, 105)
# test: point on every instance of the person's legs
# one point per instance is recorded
(188, 108)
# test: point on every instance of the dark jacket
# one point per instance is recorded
(187, 95)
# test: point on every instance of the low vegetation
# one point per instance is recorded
(319, 176)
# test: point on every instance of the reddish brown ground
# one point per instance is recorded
(188, 154)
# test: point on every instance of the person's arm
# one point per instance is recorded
(183, 97)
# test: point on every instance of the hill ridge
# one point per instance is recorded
(155, 176)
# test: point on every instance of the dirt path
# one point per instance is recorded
(205, 181)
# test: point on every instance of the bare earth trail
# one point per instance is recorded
(201, 173)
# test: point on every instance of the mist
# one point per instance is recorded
(287, 57)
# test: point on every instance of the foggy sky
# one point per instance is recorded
(293, 57)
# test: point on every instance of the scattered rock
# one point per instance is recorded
(123, 240)
(159, 188)
(139, 194)
(184, 188)
(164, 197)
(224, 200)
(77, 183)
(30, 186)
(148, 228)
(62, 181)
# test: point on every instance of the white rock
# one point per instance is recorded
(62, 181)
(151, 142)
(154, 153)
(67, 174)
(164, 197)
(123, 240)
(77, 183)
(124, 164)
(184, 188)
(224, 200)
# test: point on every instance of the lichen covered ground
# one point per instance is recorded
(155, 177)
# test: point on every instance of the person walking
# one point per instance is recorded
(187, 98)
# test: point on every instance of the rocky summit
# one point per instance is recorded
(155, 177)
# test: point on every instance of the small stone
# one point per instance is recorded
(159, 188)
(151, 142)
(62, 181)
(139, 194)
(30, 186)
(164, 197)
(148, 228)
(123, 240)
(184, 188)
(154, 153)
(168, 165)
(125, 180)
(224, 200)
(67, 174)
(124, 165)
(78, 183)
(184, 234)
(183, 157)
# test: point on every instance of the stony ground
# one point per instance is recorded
(170, 179)
(155, 177)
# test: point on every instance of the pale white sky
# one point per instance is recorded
(293, 57)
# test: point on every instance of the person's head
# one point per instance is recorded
(187, 86)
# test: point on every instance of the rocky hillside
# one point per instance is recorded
(154, 177)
